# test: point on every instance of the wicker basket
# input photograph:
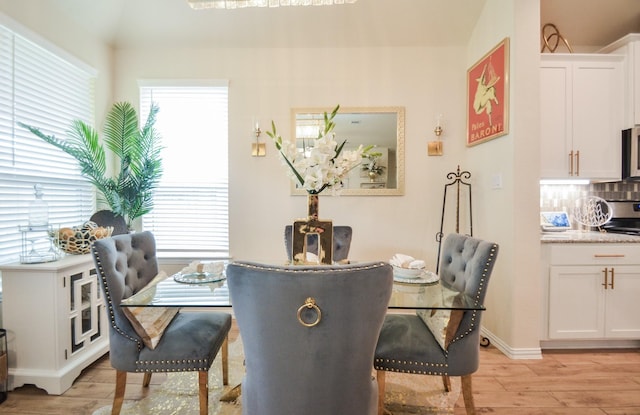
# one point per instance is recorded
(77, 240)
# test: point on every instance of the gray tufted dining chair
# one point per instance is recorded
(342, 235)
(125, 264)
(294, 366)
(406, 343)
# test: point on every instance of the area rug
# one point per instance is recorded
(178, 394)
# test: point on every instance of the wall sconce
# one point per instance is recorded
(258, 149)
(434, 148)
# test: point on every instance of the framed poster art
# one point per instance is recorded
(488, 96)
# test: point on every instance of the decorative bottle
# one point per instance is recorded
(38, 210)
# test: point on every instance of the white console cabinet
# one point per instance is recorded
(55, 320)
(592, 291)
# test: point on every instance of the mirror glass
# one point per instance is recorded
(380, 126)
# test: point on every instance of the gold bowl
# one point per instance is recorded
(78, 240)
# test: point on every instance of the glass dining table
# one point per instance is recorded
(424, 292)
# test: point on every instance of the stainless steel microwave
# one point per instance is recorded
(631, 154)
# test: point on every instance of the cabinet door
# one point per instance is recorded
(598, 118)
(634, 81)
(623, 303)
(86, 310)
(581, 116)
(555, 120)
(576, 302)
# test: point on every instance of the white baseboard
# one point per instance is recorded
(589, 344)
(510, 352)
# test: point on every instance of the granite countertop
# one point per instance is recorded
(577, 236)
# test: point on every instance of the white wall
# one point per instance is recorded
(509, 216)
(266, 84)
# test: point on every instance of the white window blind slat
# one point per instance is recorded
(191, 205)
(38, 87)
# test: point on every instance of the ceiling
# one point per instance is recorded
(149, 23)
(126, 23)
(590, 24)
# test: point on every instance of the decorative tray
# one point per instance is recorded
(426, 278)
(198, 277)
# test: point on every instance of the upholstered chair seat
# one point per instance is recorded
(306, 360)
(443, 343)
(125, 265)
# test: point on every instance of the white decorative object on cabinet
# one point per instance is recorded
(55, 320)
(629, 46)
(592, 291)
(581, 117)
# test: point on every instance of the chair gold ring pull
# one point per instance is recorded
(309, 303)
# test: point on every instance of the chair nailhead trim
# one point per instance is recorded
(434, 368)
(173, 362)
(379, 361)
(308, 270)
(112, 317)
(194, 365)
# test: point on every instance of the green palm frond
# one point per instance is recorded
(130, 193)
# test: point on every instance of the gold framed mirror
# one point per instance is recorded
(380, 126)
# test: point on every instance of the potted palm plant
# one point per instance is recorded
(129, 193)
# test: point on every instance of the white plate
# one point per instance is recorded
(198, 277)
(407, 272)
(427, 277)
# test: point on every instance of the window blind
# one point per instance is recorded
(39, 88)
(191, 204)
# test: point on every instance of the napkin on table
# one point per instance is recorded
(406, 261)
(214, 268)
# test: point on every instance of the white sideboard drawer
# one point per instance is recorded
(593, 254)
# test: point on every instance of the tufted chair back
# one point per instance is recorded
(323, 369)
(341, 242)
(466, 265)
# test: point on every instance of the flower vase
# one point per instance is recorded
(304, 230)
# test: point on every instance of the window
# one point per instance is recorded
(39, 88)
(191, 204)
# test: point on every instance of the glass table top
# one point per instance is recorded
(178, 291)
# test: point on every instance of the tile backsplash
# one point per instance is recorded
(554, 197)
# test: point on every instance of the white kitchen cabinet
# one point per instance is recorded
(629, 46)
(592, 291)
(581, 116)
(55, 319)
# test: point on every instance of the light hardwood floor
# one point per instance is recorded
(561, 383)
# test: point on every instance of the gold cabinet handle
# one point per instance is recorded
(606, 277)
(613, 276)
(571, 163)
(578, 163)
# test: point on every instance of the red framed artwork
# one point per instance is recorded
(488, 96)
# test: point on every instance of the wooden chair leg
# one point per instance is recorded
(118, 398)
(380, 377)
(446, 382)
(225, 361)
(467, 394)
(203, 391)
(146, 380)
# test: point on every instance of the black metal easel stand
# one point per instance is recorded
(457, 179)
